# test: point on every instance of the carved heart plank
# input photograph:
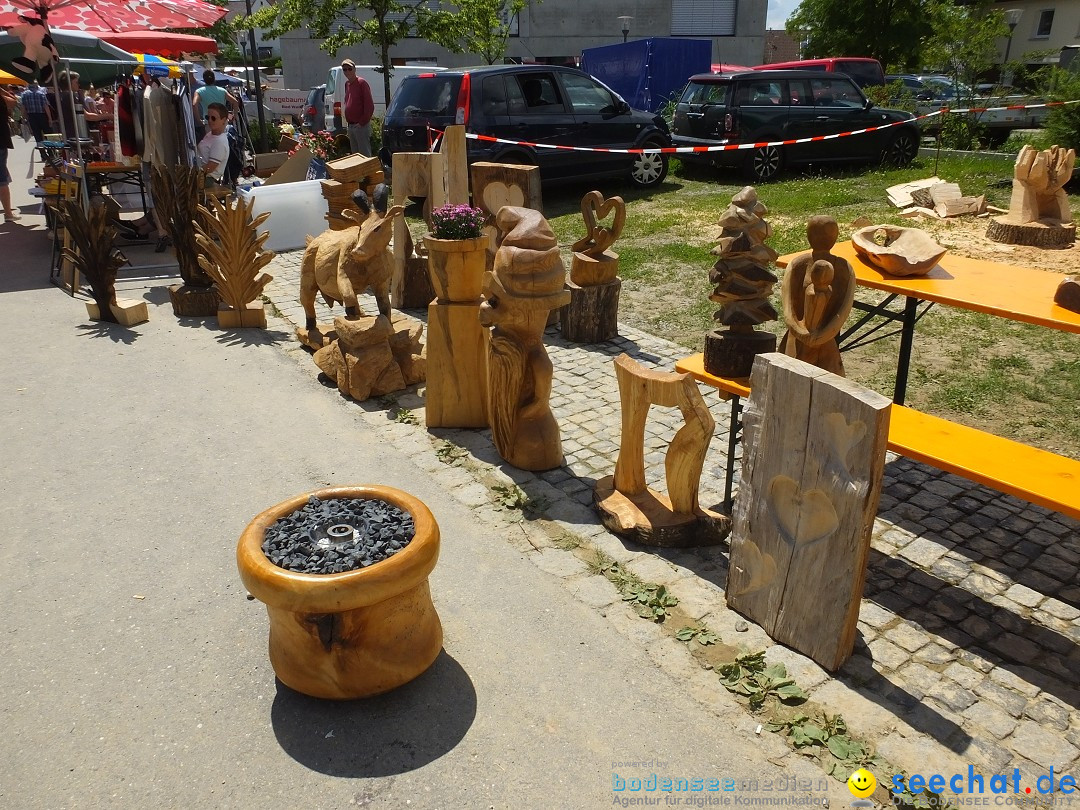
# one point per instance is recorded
(498, 194)
(843, 436)
(759, 568)
(803, 517)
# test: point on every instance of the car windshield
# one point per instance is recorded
(706, 93)
(431, 96)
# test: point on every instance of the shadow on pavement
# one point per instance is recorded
(385, 735)
(113, 331)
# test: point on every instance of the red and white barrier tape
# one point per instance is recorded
(677, 150)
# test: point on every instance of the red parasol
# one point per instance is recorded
(114, 15)
(159, 43)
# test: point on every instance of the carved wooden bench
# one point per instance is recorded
(1034, 475)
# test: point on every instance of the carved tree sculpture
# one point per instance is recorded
(626, 504)
(233, 256)
(526, 284)
(818, 292)
(341, 264)
(1039, 212)
(593, 313)
(93, 255)
(177, 190)
(743, 286)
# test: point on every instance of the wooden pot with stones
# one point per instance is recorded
(355, 633)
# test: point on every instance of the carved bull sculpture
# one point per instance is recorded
(342, 264)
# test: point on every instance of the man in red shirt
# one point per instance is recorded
(358, 109)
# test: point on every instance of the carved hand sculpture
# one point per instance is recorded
(1037, 184)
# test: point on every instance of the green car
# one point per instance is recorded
(792, 117)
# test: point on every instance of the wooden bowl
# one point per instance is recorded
(356, 633)
(906, 252)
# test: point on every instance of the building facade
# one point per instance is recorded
(1041, 29)
(556, 31)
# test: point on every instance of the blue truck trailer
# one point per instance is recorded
(648, 72)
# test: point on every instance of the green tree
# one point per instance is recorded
(964, 43)
(340, 23)
(890, 31)
(485, 26)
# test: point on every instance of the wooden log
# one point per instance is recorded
(1033, 234)
(961, 205)
(814, 451)
(453, 147)
(731, 354)
(1067, 295)
(457, 349)
(592, 316)
(189, 301)
(625, 504)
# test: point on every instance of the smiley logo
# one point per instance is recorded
(861, 783)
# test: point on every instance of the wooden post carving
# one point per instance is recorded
(626, 505)
(1039, 212)
(818, 292)
(422, 175)
(526, 284)
(592, 316)
(743, 286)
(814, 451)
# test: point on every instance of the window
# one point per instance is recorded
(836, 93)
(705, 93)
(1046, 22)
(494, 95)
(760, 94)
(533, 93)
(586, 96)
(697, 18)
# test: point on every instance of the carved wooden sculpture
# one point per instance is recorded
(898, 251)
(233, 256)
(814, 448)
(374, 355)
(743, 286)
(1039, 212)
(495, 185)
(818, 292)
(1067, 294)
(416, 174)
(341, 264)
(526, 284)
(177, 192)
(592, 315)
(626, 504)
(92, 254)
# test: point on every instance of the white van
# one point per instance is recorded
(334, 100)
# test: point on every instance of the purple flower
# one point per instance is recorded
(457, 222)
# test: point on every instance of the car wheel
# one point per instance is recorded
(649, 170)
(764, 163)
(901, 151)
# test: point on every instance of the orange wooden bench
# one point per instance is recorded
(1031, 474)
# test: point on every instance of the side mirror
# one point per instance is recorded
(622, 107)
(868, 104)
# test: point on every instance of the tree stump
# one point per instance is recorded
(593, 312)
(730, 353)
(189, 301)
(1032, 234)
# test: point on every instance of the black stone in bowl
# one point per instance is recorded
(336, 535)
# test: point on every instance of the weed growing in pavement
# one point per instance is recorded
(511, 496)
(702, 635)
(449, 453)
(268, 305)
(825, 737)
(749, 676)
(651, 601)
(406, 417)
(566, 541)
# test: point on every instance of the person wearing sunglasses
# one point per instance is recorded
(214, 147)
(359, 107)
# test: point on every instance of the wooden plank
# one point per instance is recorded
(497, 184)
(453, 149)
(814, 450)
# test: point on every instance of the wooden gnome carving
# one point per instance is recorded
(1039, 212)
(341, 264)
(526, 284)
(818, 292)
(743, 286)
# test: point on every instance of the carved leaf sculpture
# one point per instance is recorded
(232, 250)
(94, 254)
(176, 192)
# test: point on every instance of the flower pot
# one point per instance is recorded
(457, 267)
(356, 633)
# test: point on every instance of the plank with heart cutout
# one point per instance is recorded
(497, 184)
(814, 451)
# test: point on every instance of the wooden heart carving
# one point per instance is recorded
(802, 517)
(598, 238)
(760, 567)
(843, 436)
(497, 194)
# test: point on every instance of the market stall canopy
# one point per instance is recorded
(7, 78)
(160, 43)
(157, 66)
(114, 15)
(75, 45)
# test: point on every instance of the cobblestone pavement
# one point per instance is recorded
(969, 647)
